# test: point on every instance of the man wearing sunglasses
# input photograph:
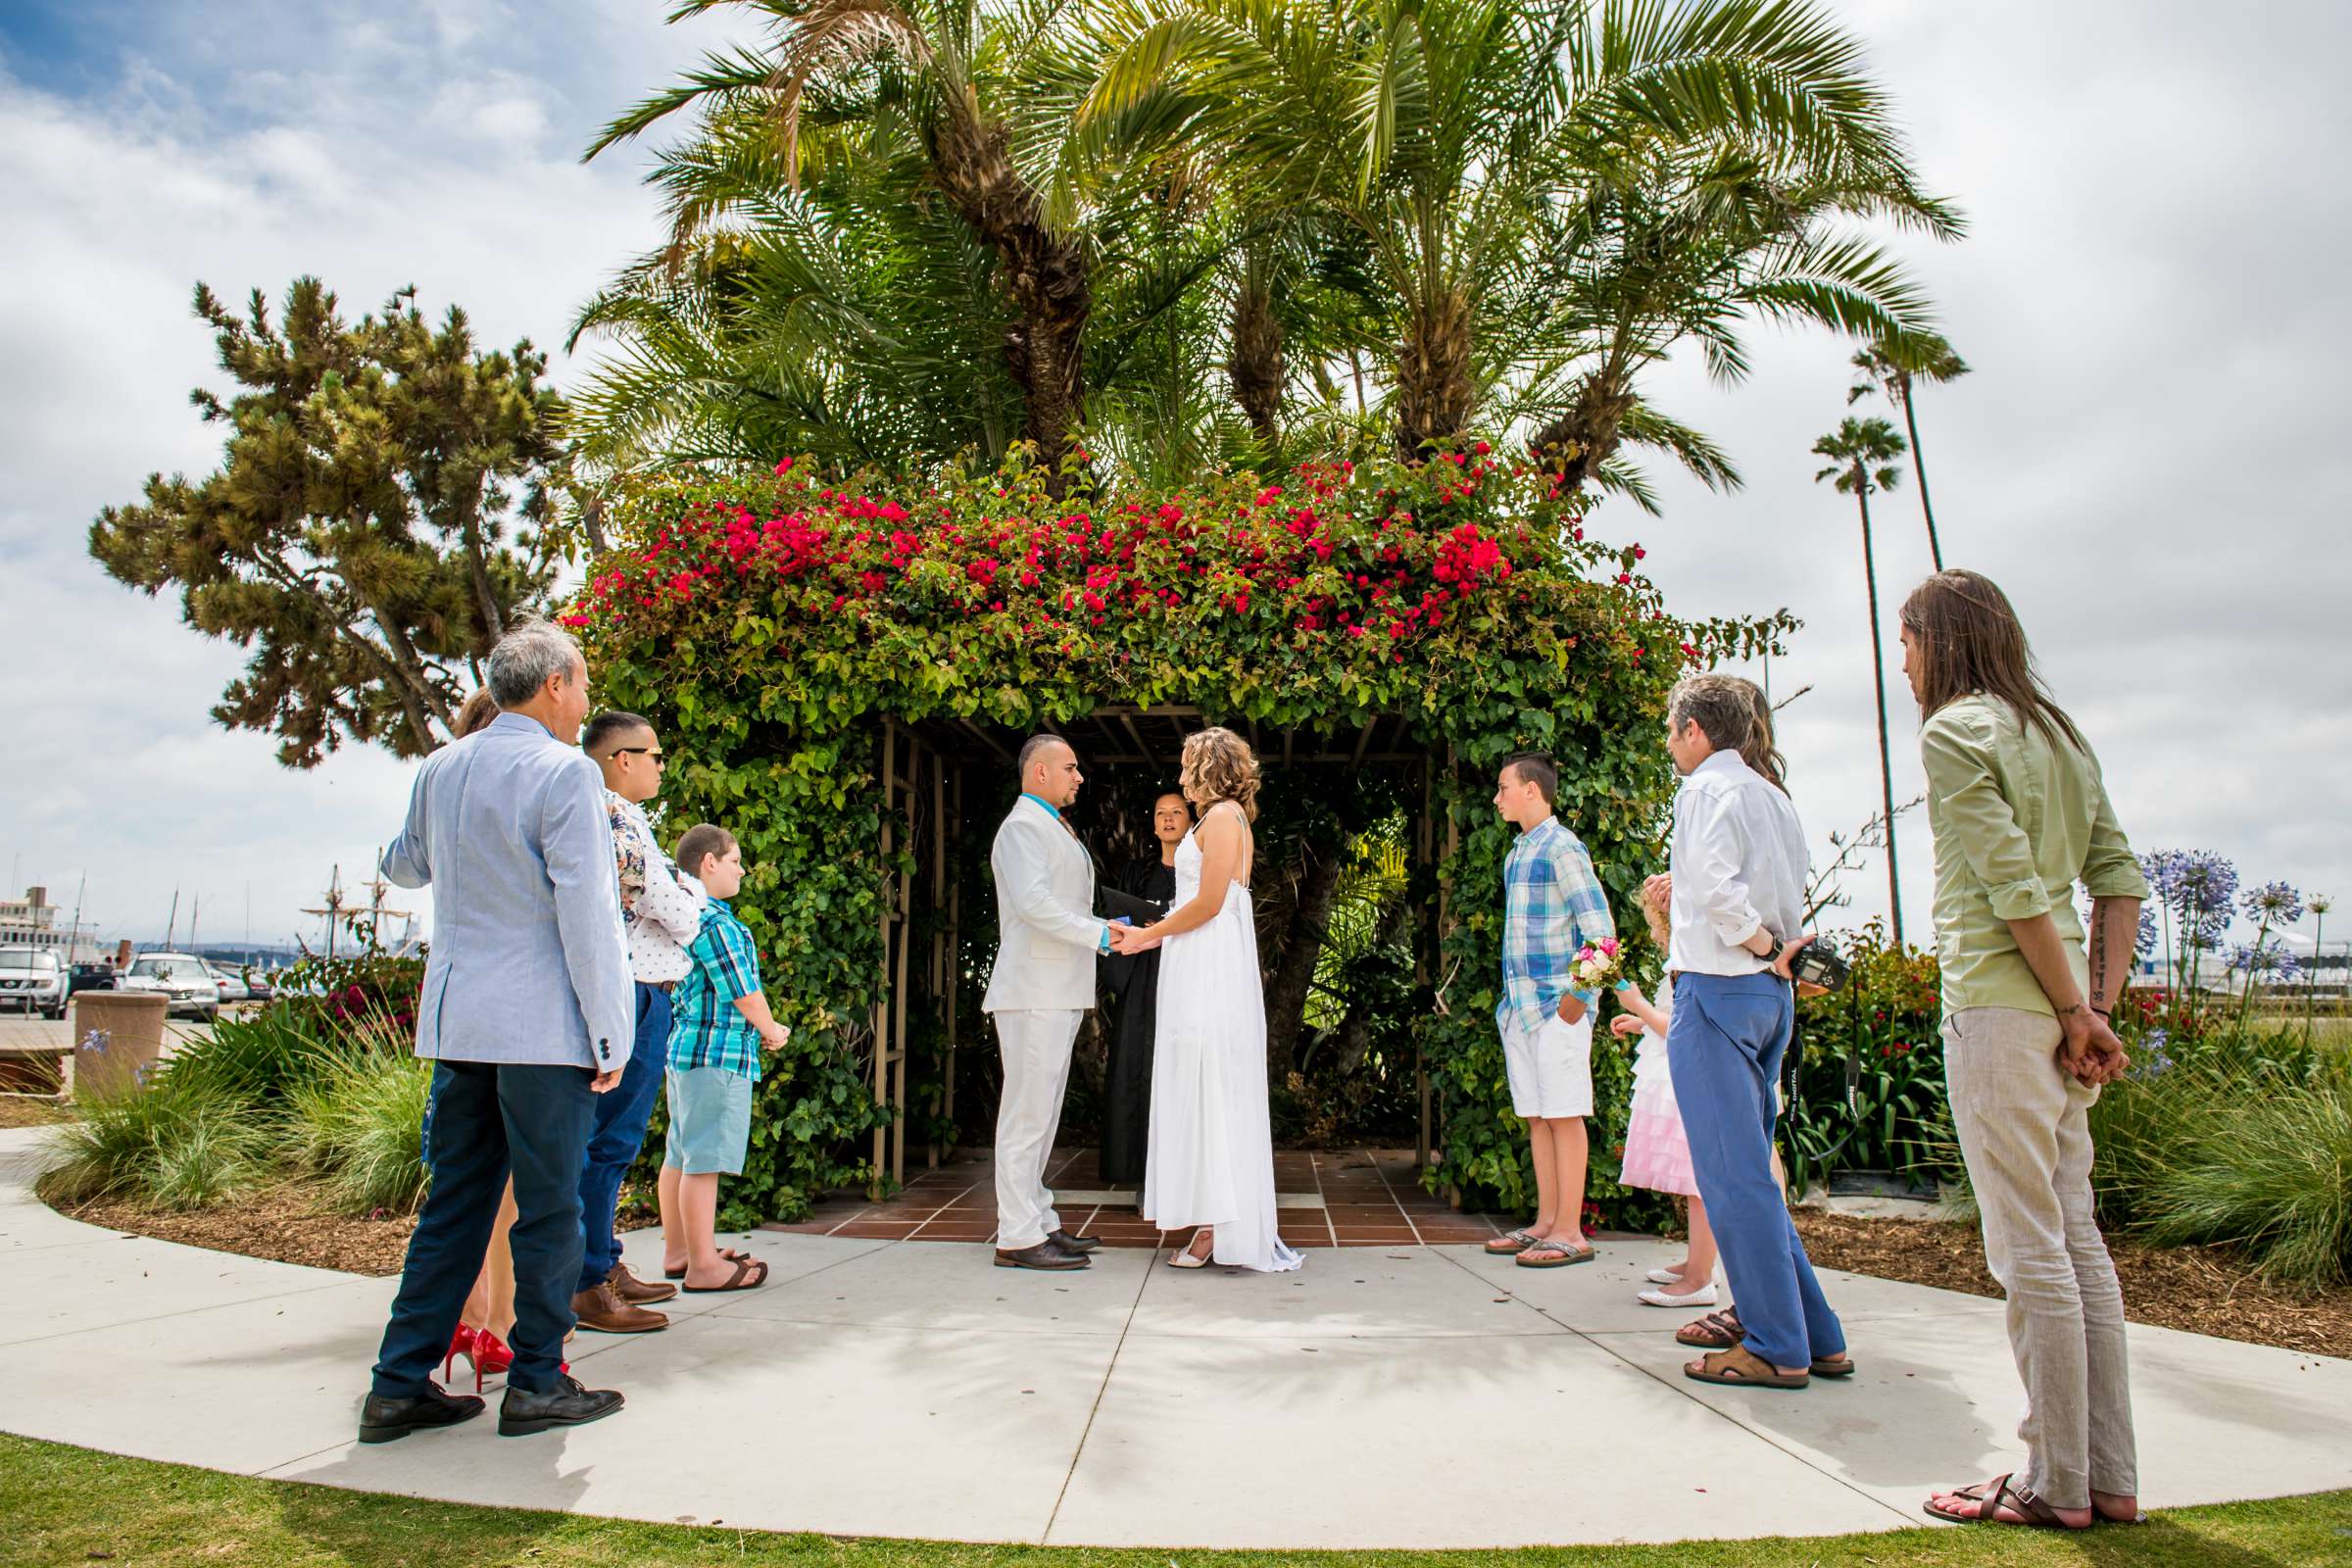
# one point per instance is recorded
(660, 913)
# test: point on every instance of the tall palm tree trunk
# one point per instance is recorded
(1919, 469)
(1877, 677)
(1046, 277)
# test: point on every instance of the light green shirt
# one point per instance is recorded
(2018, 822)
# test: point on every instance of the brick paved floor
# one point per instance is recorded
(1334, 1198)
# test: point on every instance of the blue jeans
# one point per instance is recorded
(618, 1133)
(1723, 1048)
(487, 1119)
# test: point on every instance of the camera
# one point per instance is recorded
(1818, 964)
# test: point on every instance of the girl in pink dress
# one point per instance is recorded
(1656, 1154)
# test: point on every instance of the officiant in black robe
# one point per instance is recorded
(1134, 979)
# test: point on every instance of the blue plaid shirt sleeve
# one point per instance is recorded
(1553, 905)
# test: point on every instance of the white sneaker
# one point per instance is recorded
(1703, 1297)
(1664, 1276)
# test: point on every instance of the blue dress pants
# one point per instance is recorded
(618, 1133)
(487, 1119)
(1723, 1047)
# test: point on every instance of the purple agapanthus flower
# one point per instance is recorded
(2275, 904)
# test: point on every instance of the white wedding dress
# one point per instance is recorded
(1210, 1158)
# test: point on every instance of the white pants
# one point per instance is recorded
(1036, 1050)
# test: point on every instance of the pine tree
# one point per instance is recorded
(381, 515)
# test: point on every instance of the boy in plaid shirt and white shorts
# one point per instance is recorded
(1552, 905)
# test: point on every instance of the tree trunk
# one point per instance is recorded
(1581, 439)
(1433, 390)
(1294, 977)
(478, 565)
(1878, 676)
(1256, 366)
(1045, 276)
(1919, 469)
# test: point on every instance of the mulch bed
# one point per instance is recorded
(2202, 1291)
(29, 1111)
(286, 1224)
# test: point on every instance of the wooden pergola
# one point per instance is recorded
(924, 773)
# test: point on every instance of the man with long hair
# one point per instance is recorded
(2021, 814)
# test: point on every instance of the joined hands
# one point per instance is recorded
(1127, 939)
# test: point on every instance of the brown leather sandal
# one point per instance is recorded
(750, 1273)
(1717, 1331)
(1988, 1496)
(1742, 1368)
(1832, 1366)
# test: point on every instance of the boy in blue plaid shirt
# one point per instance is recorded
(1552, 905)
(721, 1022)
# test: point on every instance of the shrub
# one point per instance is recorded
(359, 1123)
(2243, 1141)
(1887, 1021)
(250, 1061)
(170, 1146)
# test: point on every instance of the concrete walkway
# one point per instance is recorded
(1382, 1397)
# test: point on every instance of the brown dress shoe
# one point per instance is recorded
(634, 1291)
(604, 1311)
(1071, 1241)
(1044, 1256)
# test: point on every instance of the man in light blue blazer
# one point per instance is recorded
(528, 1012)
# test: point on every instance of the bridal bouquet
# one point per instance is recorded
(1599, 965)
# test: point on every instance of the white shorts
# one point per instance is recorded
(1551, 1071)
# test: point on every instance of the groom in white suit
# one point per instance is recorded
(1048, 940)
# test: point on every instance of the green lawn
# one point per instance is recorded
(62, 1506)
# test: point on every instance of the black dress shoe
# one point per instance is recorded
(1045, 1255)
(1070, 1241)
(383, 1418)
(567, 1404)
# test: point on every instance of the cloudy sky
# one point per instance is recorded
(2149, 454)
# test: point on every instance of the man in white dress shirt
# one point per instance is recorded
(1039, 988)
(660, 913)
(1738, 866)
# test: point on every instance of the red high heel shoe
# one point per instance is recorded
(490, 1356)
(460, 1342)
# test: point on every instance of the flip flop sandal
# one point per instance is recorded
(743, 1279)
(1742, 1368)
(1840, 1367)
(727, 1252)
(1717, 1331)
(1559, 1257)
(1512, 1243)
(2033, 1513)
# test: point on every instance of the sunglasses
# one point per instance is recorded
(654, 752)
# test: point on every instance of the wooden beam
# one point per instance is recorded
(1134, 734)
(1363, 742)
(890, 762)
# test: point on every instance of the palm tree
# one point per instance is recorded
(1861, 454)
(1896, 366)
(925, 90)
(1549, 192)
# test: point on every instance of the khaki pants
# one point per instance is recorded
(2025, 1131)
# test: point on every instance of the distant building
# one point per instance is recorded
(32, 922)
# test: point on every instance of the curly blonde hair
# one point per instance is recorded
(1218, 766)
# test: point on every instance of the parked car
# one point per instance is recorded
(94, 977)
(257, 987)
(232, 989)
(32, 978)
(181, 976)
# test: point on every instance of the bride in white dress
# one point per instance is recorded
(1209, 1162)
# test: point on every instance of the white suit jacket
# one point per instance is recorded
(1047, 932)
